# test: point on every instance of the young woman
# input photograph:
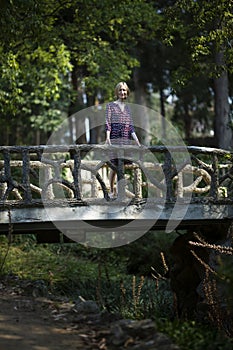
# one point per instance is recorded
(119, 126)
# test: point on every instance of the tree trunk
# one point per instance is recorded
(223, 131)
(163, 113)
(140, 99)
(187, 121)
(77, 122)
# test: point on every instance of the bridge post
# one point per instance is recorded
(76, 172)
(180, 185)
(121, 179)
(3, 185)
(49, 176)
(7, 174)
(25, 175)
(214, 178)
(121, 175)
(138, 182)
(167, 168)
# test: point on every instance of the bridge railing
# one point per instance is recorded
(80, 173)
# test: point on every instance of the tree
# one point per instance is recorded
(34, 70)
(49, 44)
(102, 40)
(163, 68)
(206, 28)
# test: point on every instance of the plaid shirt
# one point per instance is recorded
(119, 123)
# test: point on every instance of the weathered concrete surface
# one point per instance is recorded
(114, 216)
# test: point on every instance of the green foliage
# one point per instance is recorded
(141, 297)
(94, 274)
(28, 260)
(190, 335)
(205, 28)
(48, 49)
(225, 269)
(145, 253)
(102, 39)
(10, 92)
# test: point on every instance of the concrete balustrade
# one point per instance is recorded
(77, 176)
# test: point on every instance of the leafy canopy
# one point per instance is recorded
(44, 42)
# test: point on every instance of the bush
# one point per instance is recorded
(192, 336)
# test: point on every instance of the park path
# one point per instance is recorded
(34, 324)
(29, 322)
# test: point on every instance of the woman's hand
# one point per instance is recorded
(136, 139)
(108, 142)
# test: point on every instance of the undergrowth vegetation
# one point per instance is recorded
(131, 281)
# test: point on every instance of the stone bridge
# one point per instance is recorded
(56, 189)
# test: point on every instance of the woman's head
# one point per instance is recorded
(122, 86)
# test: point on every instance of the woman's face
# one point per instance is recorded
(122, 92)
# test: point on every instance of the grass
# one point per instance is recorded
(73, 270)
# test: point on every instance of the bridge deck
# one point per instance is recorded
(94, 216)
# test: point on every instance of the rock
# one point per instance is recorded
(87, 307)
(140, 329)
(139, 335)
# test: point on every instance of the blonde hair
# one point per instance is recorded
(119, 85)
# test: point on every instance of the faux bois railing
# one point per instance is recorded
(30, 175)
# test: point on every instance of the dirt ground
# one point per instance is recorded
(56, 323)
(28, 323)
(31, 321)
